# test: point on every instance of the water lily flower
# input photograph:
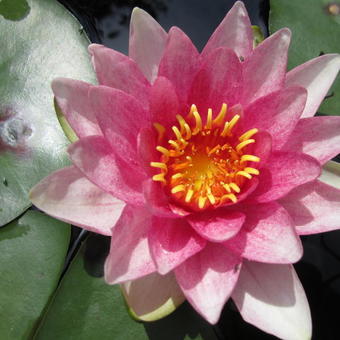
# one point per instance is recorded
(202, 167)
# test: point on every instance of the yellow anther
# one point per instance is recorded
(248, 134)
(220, 117)
(181, 122)
(225, 129)
(235, 187)
(174, 144)
(249, 158)
(213, 150)
(159, 165)
(252, 171)
(198, 121)
(231, 197)
(232, 124)
(193, 109)
(211, 198)
(159, 178)
(187, 131)
(188, 196)
(177, 133)
(209, 119)
(201, 202)
(226, 187)
(178, 188)
(243, 144)
(181, 166)
(244, 174)
(164, 151)
(160, 129)
(177, 175)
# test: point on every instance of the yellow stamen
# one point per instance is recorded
(244, 143)
(220, 117)
(164, 151)
(248, 134)
(181, 122)
(187, 131)
(178, 188)
(235, 187)
(232, 124)
(231, 197)
(174, 144)
(252, 171)
(211, 198)
(213, 150)
(193, 109)
(159, 178)
(209, 119)
(160, 129)
(249, 158)
(198, 121)
(177, 175)
(159, 165)
(244, 174)
(177, 132)
(226, 187)
(188, 196)
(201, 202)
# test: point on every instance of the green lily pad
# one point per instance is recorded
(47, 42)
(86, 308)
(33, 250)
(316, 30)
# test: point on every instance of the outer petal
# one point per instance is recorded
(147, 42)
(118, 112)
(94, 157)
(171, 242)
(272, 298)
(72, 98)
(277, 113)
(217, 82)
(207, 280)
(153, 296)
(267, 236)
(129, 257)
(116, 70)
(283, 172)
(265, 69)
(316, 136)
(314, 208)
(67, 195)
(179, 63)
(218, 225)
(163, 102)
(233, 32)
(317, 76)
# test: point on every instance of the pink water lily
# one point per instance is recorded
(202, 167)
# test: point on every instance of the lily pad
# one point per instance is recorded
(46, 43)
(316, 30)
(86, 308)
(33, 250)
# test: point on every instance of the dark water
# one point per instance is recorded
(106, 22)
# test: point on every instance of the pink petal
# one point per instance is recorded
(153, 296)
(272, 298)
(147, 42)
(314, 208)
(129, 257)
(217, 225)
(217, 82)
(95, 158)
(233, 32)
(317, 76)
(283, 172)
(146, 148)
(72, 98)
(262, 148)
(179, 63)
(118, 112)
(265, 69)
(116, 70)
(67, 195)
(163, 102)
(267, 235)
(318, 137)
(208, 278)
(277, 113)
(171, 242)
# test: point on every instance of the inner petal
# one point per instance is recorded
(205, 164)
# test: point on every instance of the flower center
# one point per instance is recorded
(205, 165)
